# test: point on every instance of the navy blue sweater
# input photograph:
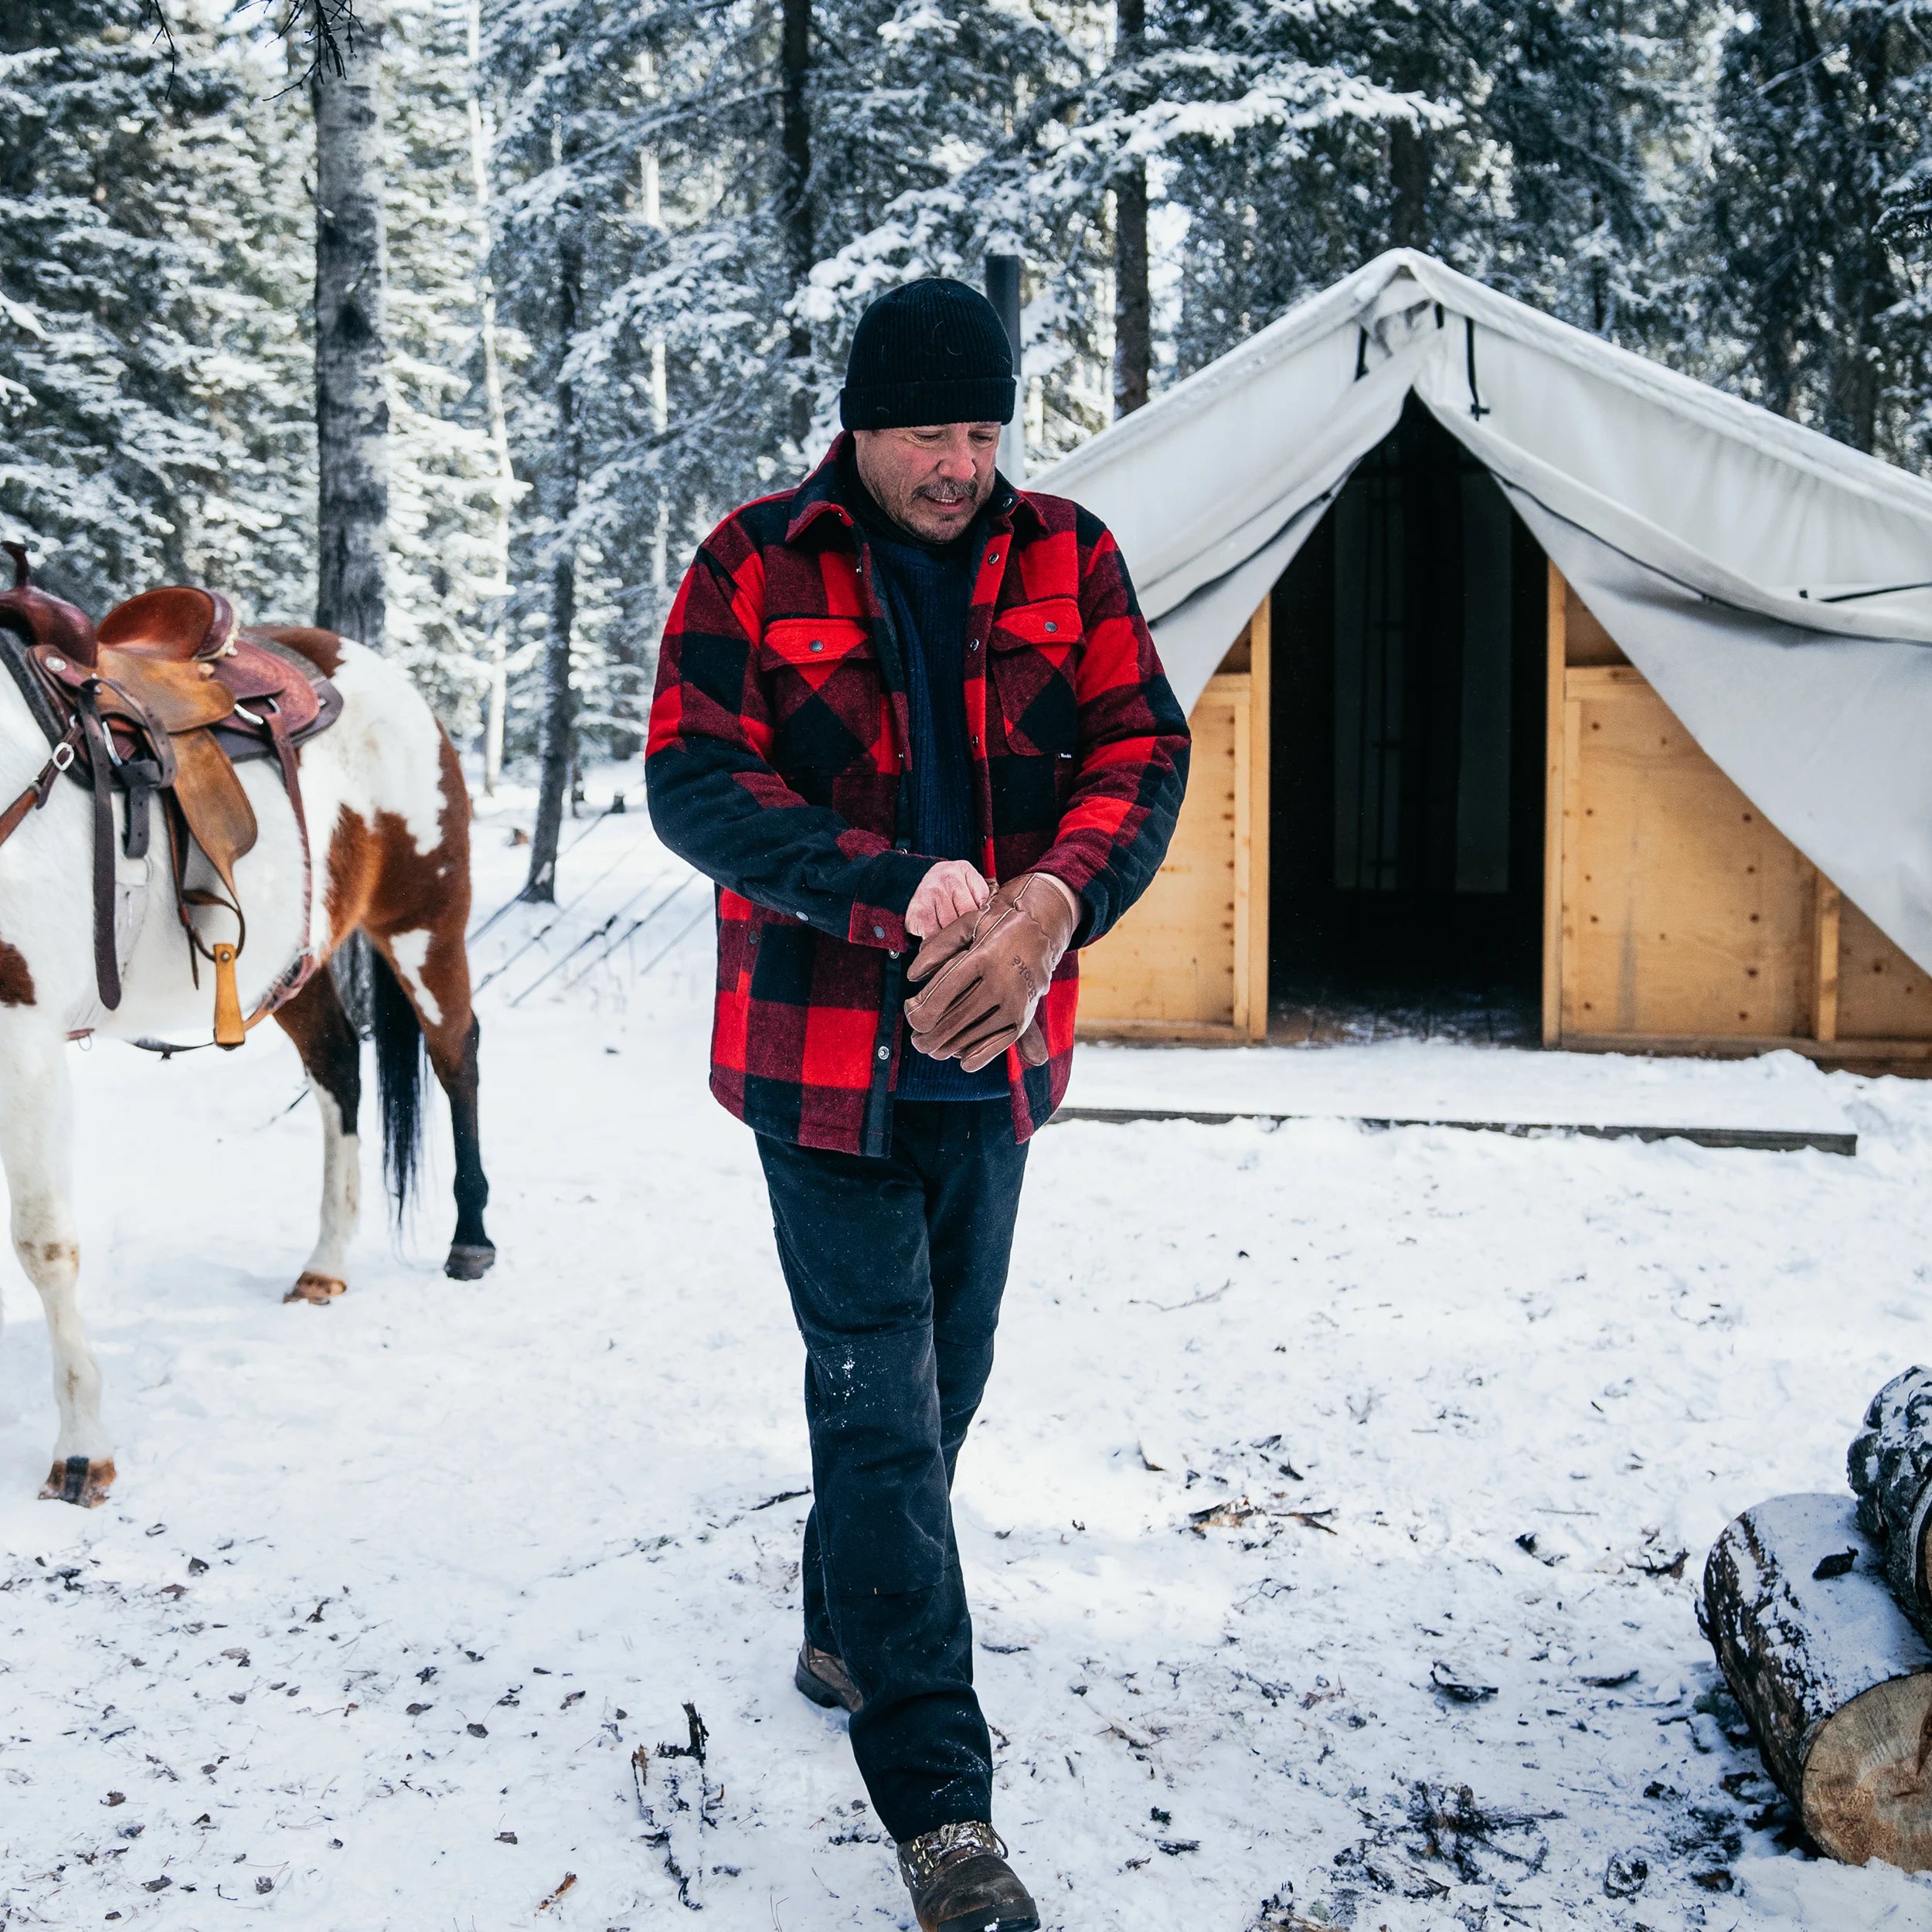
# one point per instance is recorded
(925, 588)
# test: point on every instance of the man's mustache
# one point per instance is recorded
(945, 492)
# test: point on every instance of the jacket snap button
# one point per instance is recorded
(885, 1053)
(1052, 626)
(57, 663)
(818, 643)
(879, 932)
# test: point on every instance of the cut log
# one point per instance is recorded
(1834, 1678)
(1890, 1468)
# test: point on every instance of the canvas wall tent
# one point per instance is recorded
(1493, 634)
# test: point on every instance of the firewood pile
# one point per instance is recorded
(1819, 1609)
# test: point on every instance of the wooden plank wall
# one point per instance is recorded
(1676, 917)
(1190, 961)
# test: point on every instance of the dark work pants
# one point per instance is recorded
(896, 1267)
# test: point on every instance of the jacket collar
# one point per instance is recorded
(822, 495)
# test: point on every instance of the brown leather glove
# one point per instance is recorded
(988, 972)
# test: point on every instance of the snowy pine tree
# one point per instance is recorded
(443, 565)
(1810, 257)
(154, 407)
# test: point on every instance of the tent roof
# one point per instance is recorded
(1711, 537)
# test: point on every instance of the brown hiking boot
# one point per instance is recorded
(822, 1678)
(961, 1881)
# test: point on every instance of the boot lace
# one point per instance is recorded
(926, 1855)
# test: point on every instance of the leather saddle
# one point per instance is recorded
(161, 702)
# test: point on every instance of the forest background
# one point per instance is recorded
(626, 242)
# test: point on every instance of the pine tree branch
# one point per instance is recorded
(326, 25)
(164, 30)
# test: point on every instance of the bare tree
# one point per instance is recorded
(498, 698)
(556, 734)
(1133, 304)
(351, 406)
(795, 61)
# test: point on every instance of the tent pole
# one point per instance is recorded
(1825, 924)
(1260, 755)
(1553, 779)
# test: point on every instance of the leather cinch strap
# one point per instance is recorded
(101, 756)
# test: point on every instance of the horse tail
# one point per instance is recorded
(400, 1054)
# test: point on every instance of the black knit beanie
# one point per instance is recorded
(928, 352)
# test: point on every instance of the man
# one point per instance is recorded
(905, 703)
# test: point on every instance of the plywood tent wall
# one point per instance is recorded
(1190, 961)
(1677, 916)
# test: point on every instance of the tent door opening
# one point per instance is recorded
(1406, 757)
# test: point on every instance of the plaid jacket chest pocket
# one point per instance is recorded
(1032, 662)
(826, 696)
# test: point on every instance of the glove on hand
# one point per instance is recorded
(988, 973)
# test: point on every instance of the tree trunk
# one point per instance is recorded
(1409, 167)
(1856, 352)
(497, 700)
(1836, 1682)
(1889, 1465)
(794, 60)
(352, 408)
(1132, 307)
(555, 748)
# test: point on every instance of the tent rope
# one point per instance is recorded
(1852, 597)
(1477, 408)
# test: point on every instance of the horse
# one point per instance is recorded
(388, 857)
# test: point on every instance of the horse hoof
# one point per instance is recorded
(316, 1290)
(78, 1481)
(469, 1261)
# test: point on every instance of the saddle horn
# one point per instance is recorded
(40, 619)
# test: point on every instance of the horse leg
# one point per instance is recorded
(332, 1054)
(36, 1147)
(433, 967)
(472, 1253)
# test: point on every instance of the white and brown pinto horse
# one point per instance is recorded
(389, 817)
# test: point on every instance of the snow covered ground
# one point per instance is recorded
(1325, 1472)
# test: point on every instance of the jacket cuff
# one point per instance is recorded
(885, 889)
(1073, 874)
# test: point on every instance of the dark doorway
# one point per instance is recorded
(1406, 825)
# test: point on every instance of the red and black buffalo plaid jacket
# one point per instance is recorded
(777, 765)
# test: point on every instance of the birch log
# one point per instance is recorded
(351, 404)
(1889, 1464)
(1834, 1678)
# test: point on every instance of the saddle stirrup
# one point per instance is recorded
(230, 1028)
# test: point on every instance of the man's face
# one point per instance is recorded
(930, 480)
